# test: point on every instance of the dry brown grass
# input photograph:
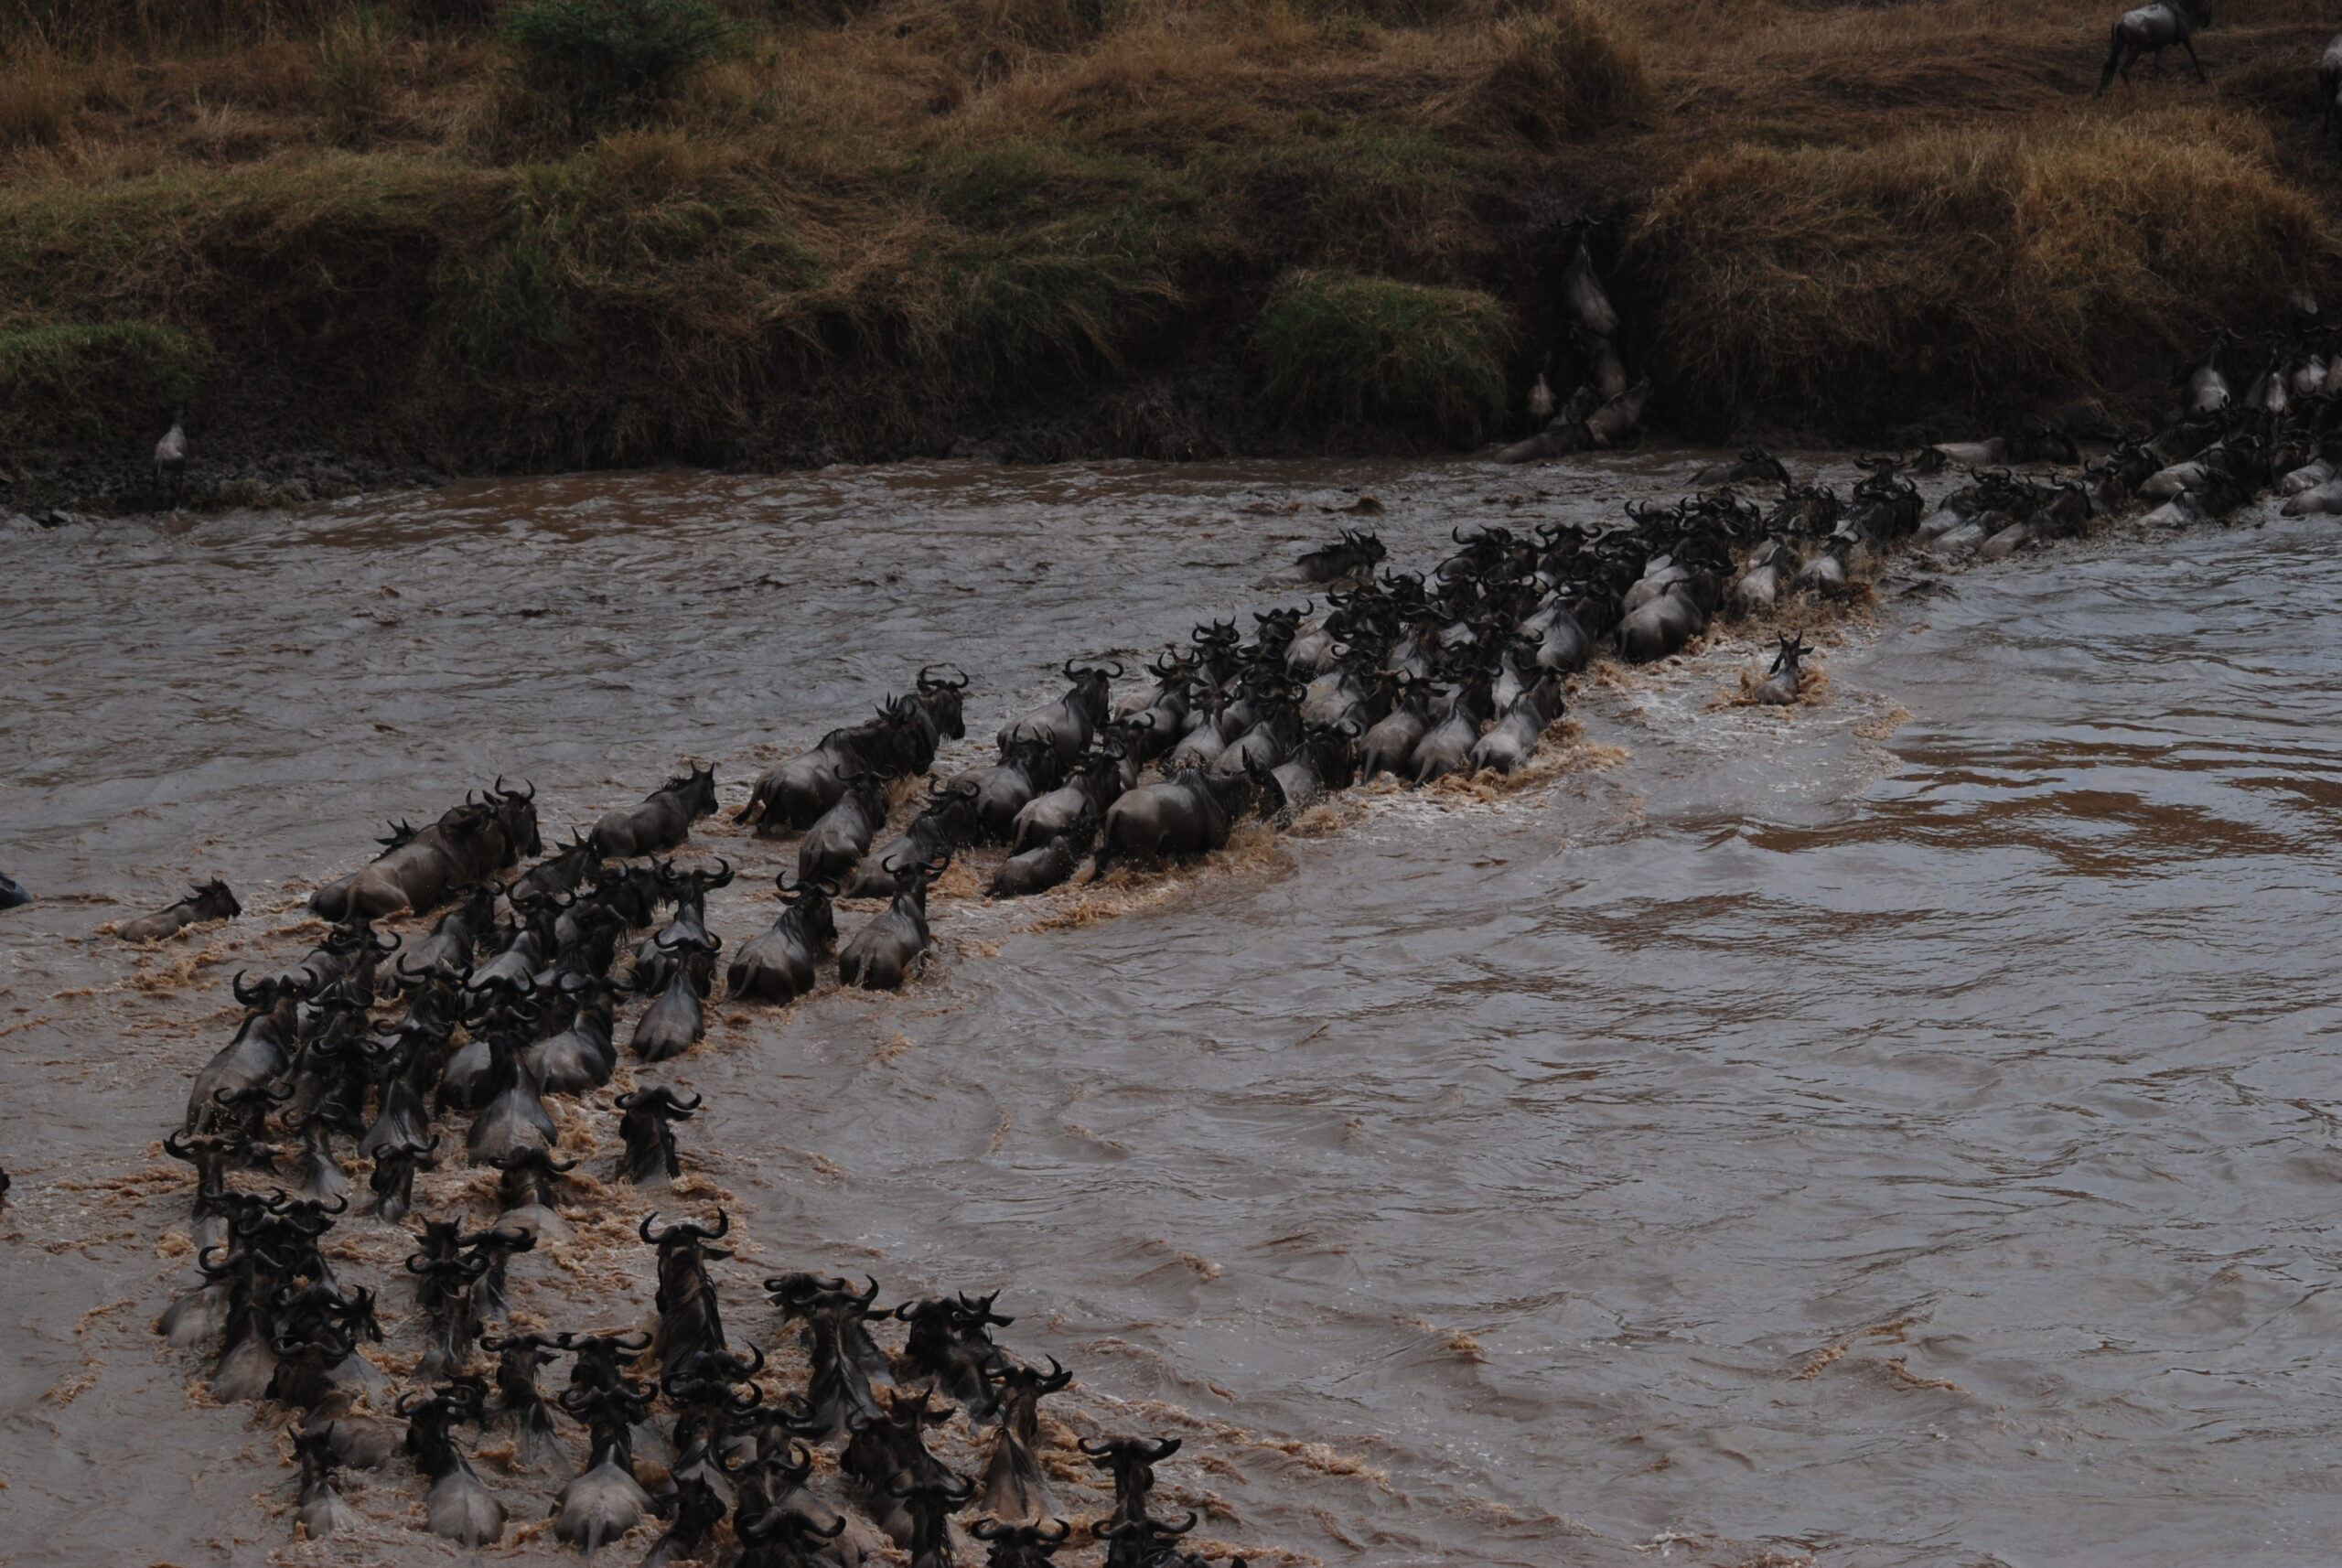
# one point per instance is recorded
(873, 219)
(1982, 265)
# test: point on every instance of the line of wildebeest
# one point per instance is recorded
(374, 1048)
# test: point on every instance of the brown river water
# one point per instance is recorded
(1890, 1131)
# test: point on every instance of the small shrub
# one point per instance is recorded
(1562, 72)
(1339, 346)
(354, 75)
(34, 108)
(606, 60)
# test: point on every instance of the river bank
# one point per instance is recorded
(1049, 232)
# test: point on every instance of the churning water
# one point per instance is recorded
(1893, 1130)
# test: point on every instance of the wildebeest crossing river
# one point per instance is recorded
(1893, 1130)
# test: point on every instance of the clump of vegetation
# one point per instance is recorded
(1984, 266)
(607, 60)
(1561, 72)
(1338, 346)
(69, 384)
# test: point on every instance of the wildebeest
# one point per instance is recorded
(901, 742)
(2154, 29)
(458, 1505)
(2205, 393)
(1030, 764)
(1068, 724)
(604, 1500)
(689, 1321)
(2329, 90)
(1770, 571)
(1352, 556)
(1583, 297)
(1781, 686)
(1446, 747)
(662, 821)
(453, 942)
(947, 824)
(880, 956)
(1825, 571)
(1326, 759)
(1014, 1487)
(1189, 813)
(318, 1509)
(1131, 1461)
(779, 965)
(1508, 743)
(582, 1054)
(1019, 1545)
(514, 1118)
(689, 889)
(208, 901)
(1044, 866)
(1751, 466)
(890, 1446)
(260, 1050)
(417, 870)
(1662, 625)
(677, 1017)
(835, 844)
(1095, 784)
(1389, 743)
(648, 1126)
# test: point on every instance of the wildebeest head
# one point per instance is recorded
(264, 995)
(646, 1126)
(212, 901)
(1020, 1545)
(1131, 1461)
(1092, 688)
(686, 1235)
(694, 791)
(516, 813)
(1137, 1540)
(941, 697)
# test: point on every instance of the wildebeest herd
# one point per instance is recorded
(378, 1057)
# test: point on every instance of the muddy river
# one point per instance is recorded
(1892, 1130)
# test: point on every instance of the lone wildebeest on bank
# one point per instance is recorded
(2150, 30)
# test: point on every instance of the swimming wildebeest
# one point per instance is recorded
(416, 871)
(662, 821)
(208, 901)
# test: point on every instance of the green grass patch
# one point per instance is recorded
(93, 383)
(1345, 347)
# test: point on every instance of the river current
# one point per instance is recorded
(1898, 1129)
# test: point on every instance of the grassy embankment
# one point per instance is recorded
(1144, 226)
